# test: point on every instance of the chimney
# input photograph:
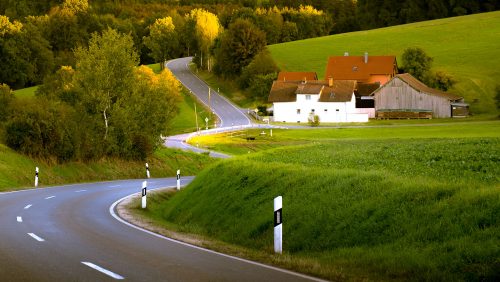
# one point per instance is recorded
(366, 57)
(346, 54)
(330, 81)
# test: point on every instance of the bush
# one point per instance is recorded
(442, 81)
(313, 120)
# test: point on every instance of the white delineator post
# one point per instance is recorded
(278, 225)
(147, 170)
(144, 192)
(178, 179)
(36, 177)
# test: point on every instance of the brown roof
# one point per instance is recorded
(420, 86)
(365, 89)
(296, 76)
(341, 91)
(355, 68)
(286, 91)
(283, 91)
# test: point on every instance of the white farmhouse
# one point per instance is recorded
(332, 101)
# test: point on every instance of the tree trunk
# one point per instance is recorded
(105, 124)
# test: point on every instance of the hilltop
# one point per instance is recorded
(465, 47)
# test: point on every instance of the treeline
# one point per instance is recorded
(105, 107)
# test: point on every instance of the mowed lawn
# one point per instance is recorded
(466, 47)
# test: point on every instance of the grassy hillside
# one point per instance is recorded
(17, 171)
(466, 47)
(424, 209)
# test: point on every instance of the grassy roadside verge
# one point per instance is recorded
(423, 209)
(17, 171)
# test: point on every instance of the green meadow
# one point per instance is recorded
(465, 47)
(253, 140)
(385, 203)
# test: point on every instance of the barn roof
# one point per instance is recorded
(355, 68)
(296, 76)
(365, 89)
(286, 91)
(421, 87)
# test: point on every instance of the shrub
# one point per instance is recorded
(313, 120)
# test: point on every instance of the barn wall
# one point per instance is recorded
(397, 94)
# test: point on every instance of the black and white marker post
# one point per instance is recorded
(144, 191)
(178, 179)
(278, 225)
(147, 170)
(36, 177)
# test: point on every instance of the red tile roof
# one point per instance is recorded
(355, 68)
(296, 76)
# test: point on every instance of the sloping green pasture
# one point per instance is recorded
(466, 47)
(393, 209)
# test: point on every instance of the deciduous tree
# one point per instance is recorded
(162, 40)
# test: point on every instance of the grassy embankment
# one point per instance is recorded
(465, 47)
(17, 171)
(400, 204)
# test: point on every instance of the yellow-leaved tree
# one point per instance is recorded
(207, 28)
(162, 40)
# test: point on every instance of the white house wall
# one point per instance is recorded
(327, 111)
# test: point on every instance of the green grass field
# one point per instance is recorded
(389, 203)
(465, 47)
(237, 143)
(26, 93)
(17, 171)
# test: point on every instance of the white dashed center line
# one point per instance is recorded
(36, 237)
(27, 207)
(80, 191)
(102, 270)
(50, 197)
(19, 219)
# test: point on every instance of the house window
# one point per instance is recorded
(312, 110)
(308, 97)
(337, 110)
(298, 111)
(326, 110)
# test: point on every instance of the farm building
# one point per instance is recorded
(404, 96)
(363, 69)
(296, 76)
(332, 101)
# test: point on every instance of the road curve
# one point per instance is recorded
(67, 233)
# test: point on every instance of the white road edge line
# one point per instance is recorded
(102, 270)
(114, 186)
(80, 191)
(36, 237)
(50, 197)
(19, 219)
(27, 207)
(112, 212)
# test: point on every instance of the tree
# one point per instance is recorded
(60, 86)
(262, 64)
(260, 85)
(442, 81)
(313, 119)
(105, 72)
(238, 45)
(162, 40)
(207, 28)
(417, 63)
(147, 112)
(6, 98)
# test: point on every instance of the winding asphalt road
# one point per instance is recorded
(70, 233)
(230, 117)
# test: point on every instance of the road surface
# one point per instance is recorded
(230, 116)
(68, 233)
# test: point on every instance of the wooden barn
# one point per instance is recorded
(404, 96)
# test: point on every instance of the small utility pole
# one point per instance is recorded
(178, 179)
(278, 225)
(144, 192)
(147, 170)
(36, 177)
